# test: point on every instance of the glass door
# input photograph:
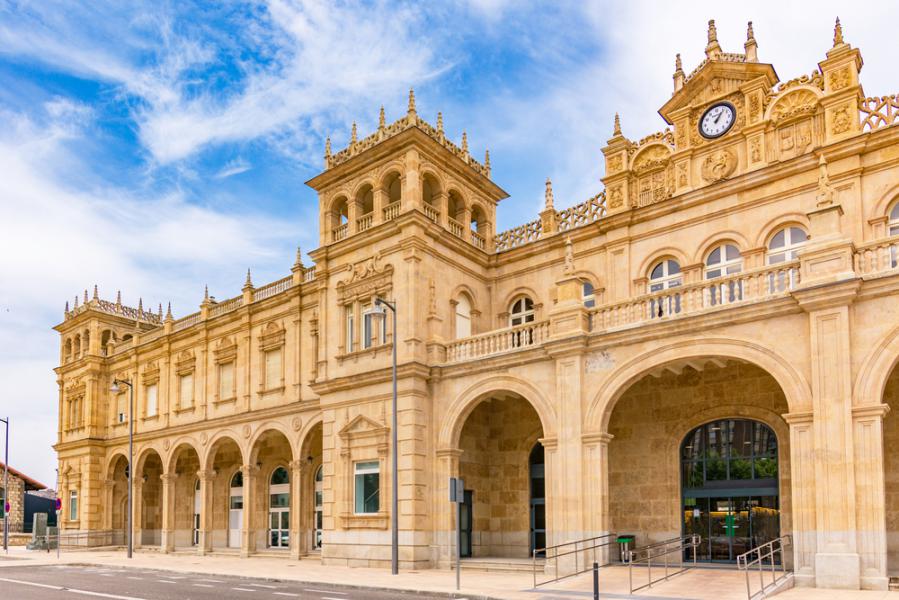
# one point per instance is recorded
(465, 525)
(317, 512)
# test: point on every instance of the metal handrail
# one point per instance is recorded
(85, 539)
(757, 556)
(660, 550)
(586, 544)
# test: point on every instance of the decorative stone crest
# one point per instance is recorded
(616, 199)
(841, 119)
(185, 363)
(718, 165)
(272, 336)
(794, 105)
(245, 430)
(296, 423)
(568, 269)
(839, 79)
(225, 350)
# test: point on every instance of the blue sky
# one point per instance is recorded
(155, 147)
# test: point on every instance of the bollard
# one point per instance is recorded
(595, 581)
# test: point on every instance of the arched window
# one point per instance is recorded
(77, 347)
(279, 509)
(893, 225)
(67, 354)
(340, 215)
(665, 274)
(723, 260)
(729, 487)
(235, 510)
(522, 311)
(318, 512)
(463, 317)
(589, 294)
(785, 244)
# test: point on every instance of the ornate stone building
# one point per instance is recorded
(707, 345)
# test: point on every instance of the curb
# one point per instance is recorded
(339, 586)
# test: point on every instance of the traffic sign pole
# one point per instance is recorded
(6, 505)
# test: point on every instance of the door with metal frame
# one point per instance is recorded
(235, 510)
(466, 520)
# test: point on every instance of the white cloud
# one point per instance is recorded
(233, 167)
(57, 240)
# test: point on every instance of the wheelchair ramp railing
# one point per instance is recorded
(581, 553)
(764, 561)
(657, 554)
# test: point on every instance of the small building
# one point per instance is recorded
(19, 486)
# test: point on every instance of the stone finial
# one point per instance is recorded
(328, 147)
(411, 109)
(568, 269)
(160, 311)
(353, 137)
(825, 189)
(67, 307)
(168, 313)
(464, 142)
(837, 33)
(679, 76)
(712, 48)
(96, 293)
(617, 130)
(206, 293)
(382, 119)
(76, 301)
(85, 296)
(298, 263)
(248, 284)
(118, 298)
(140, 306)
(751, 46)
(440, 123)
(548, 195)
(487, 161)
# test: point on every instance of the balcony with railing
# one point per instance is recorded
(364, 222)
(455, 227)
(340, 232)
(432, 213)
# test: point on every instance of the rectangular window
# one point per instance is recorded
(73, 505)
(152, 400)
(226, 381)
(272, 368)
(367, 484)
(187, 390)
(121, 408)
(350, 333)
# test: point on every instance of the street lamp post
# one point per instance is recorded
(6, 503)
(394, 499)
(115, 390)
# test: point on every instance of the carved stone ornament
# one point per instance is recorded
(841, 119)
(245, 430)
(166, 444)
(204, 437)
(272, 336)
(225, 350)
(615, 164)
(794, 105)
(839, 79)
(653, 157)
(367, 278)
(616, 200)
(296, 423)
(185, 363)
(719, 165)
(150, 374)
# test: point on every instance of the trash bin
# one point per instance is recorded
(625, 540)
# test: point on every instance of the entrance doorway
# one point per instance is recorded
(317, 512)
(730, 493)
(235, 510)
(538, 498)
(195, 536)
(465, 521)
(279, 509)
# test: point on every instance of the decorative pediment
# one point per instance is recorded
(185, 363)
(150, 373)
(367, 278)
(715, 79)
(362, 427)
(652, 157)
(801, 102)
(272, 336)
(225, 350)
(75, 387)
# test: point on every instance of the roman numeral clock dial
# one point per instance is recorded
(717, 120)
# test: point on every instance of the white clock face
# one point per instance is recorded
(717, 120)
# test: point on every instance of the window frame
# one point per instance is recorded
(73, 505)
(893, 220)
(725, 266)
(181, 389)
(527, 313)
(360, 471)
(787, 251)
(668, 279)
(155, 396)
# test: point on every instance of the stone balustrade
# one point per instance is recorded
(496, 342)
(877, 257)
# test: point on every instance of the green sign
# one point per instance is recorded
(730, 526)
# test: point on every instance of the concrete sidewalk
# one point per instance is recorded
(697, 584)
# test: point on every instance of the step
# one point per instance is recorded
(501, 565)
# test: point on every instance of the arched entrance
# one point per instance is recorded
(279, 509)
(150, 518)
(223, 463)
(235, 509)
(268, 509)
(117, 500)
(673, 462)
(185, 464)
(498, 464)
(891, 470)
(729, 487)
(312, 485)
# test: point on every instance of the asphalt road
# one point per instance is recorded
(74, 582)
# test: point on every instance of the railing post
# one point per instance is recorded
(595, 580)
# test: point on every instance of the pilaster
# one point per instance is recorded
(168, 511)
(207, 479)
(247, 527)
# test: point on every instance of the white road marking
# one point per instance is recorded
(243, 589)
(207, 580)
(327, 598)
(285, 594)
(139, 578)
(202, 585)
(325, 591)
(165, 581)
(271, 587)
(72, 590)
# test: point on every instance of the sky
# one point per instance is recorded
(157, 147)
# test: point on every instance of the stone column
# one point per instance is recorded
(108, 499)
(802, 483)
(378, 204)
(870, 514)
(466, 223)
(168, 511)
(297, 475)
(137, 511)
(445, 515)
(207, 479)
(247, 529)
(443, 206)
(595, 482)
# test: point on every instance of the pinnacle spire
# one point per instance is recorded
(160, 311)
(67, 306)
(837, 33)
(464, 142)
(440, 122)
(140, 306)
(249, 282)
(353, 134)
(678, 65)
(617, 129)
(548, 194)
(712, 48)
(168, 312)
(751, 46)
(118, 298)
(299, 261)
(206, 293)
(679, 76)
(328, 147)
(96, 294)
(411, 101)
(382, 119)
(76, 300)
(85, 296)
(487, 160)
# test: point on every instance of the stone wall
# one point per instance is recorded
(496, 442)
(16, 503)
(891, 469)
(653, 417)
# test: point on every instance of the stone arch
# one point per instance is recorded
(390, 181)
(515, 294)
(777, 223)
(140, 457)
(459, 410)
(660, 254)
(220, 437)
(708, 244)
(795, 387)
(267, 428)
(878, 365)
(798, 101)
(176, 448)
(112, 460)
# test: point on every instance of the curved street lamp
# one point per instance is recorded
(115, 389)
